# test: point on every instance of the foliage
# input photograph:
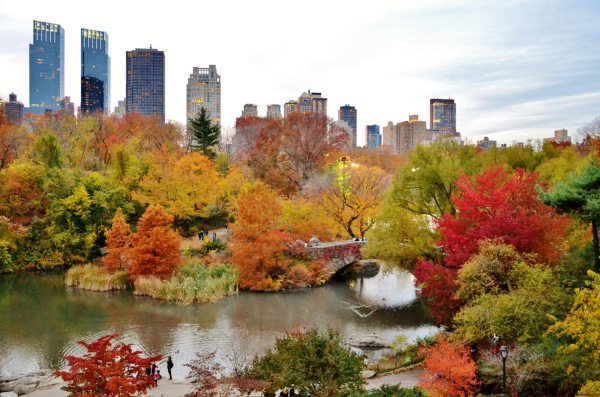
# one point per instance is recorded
(393, 391)
(118, 244)
(48, 151)
(155, 248)
(210, 245)
(449, 370)
(205, 134)
(105, 370)
(306, 220)
(314, 363)
(95, 278)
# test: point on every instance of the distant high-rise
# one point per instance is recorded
(388, 135)
(274, 111)
(145, 90)
(442, 116)
(46, 67)
(318, 103)
(372, 136)
(250, 110)
(67, 106)
(204, 91)
(486, 144)
(560, 136)
(13, 110)
(290, 107)
(95, 72)
(347, 113)
(119, 109)
(409, 134)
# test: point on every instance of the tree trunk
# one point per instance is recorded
(596, 243)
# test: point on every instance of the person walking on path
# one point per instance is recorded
(170, 367)
(154, 374)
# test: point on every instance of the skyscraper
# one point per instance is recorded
(67, 106)
(442, 116)
(372, 136)
(204, 91)
(409, 134)
(95, 72)
(347, 113)
(13, 109)
(145, 90)
(46, 67)
(290, 107)
(274, 111)
(388, 135)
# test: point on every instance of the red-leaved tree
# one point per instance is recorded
(449, 370)
(105, 370)
(118, 244)
(155, 248)
(492, 205)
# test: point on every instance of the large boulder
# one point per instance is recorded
(367, 374)
(9, 394)
(22, 390)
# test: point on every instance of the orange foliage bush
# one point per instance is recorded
(449, 370)
(256, 243)
(118, 243)
(155, 248)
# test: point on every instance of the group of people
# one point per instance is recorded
(154, 372)
(203, 234)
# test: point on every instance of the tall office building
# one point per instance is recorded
(318, 103)
(67, 106)
(388, 135)
(119, 109)
(372, 136)
(95, 72)
(46, 67)
(290, 107)
(347, 113)
(442, 116)
(204, 91)
(274, 111)
(13, 110)
(145, 90)
(409, 134)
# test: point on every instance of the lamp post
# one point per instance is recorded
(504, 354)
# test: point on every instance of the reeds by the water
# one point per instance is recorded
(95, 278)
(193, 282)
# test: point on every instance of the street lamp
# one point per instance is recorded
(504, 354)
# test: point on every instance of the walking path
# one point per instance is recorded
(167, 388)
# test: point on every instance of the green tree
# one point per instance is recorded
(48, 150)
(205, 134)
(314, 363)
(580, 197)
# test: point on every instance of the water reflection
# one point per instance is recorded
(41, 320)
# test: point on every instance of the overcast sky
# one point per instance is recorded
(516, 69)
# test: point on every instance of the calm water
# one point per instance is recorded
(41, 320)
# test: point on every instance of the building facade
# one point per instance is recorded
(372, 136)
(95, 72)
(46, 67)
(347, 113)
(442, 116)
(67, 106)
(409, 134)
(119, 111)
(388, 133)
(13, 110)
(486, 144)
(274, 111)
(318, 103)
(145, 88)
(204, 92)
(560, 136)
(290, 107)
(250, 110)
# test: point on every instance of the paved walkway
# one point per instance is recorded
(407, 379)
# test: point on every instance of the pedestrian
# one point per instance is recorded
(214, 237)
(154, 375)
(170, 367)
(149, 373)
(200, 236)
(473, 351)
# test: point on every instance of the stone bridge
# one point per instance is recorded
(338, 255)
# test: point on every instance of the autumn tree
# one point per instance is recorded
(47, 151)
(247, 132)
(205, 133)
(449, 370)
(351, 195)
(118, 243)
(257, 243)
(104, 136)
(106, 370)
(155, 248)
(297, 146)
(304, 220)
(13, 140)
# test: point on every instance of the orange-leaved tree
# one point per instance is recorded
(257, 243)
(118, 244)
(155, 248)
(449, 370)
(105, 370)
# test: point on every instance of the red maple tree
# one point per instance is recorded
(118, 243)
(105, 370)
(493, 205)
(155, 248)
(449, 370)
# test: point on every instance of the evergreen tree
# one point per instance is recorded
(205, 134)
(580, 196)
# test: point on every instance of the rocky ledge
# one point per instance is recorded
(22, 384)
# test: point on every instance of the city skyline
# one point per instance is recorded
(511, 68)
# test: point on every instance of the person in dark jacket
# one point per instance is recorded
(170, 367)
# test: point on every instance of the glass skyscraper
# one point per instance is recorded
(348, 114)
(95, 72)
(145, 91)
(46, 67)
(442, 116)
(373, 137)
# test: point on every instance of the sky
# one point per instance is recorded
(517, 69)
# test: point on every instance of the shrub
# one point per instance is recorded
(95, 278)
(192, 231)
(393, 391)
(208, 246)
(299, 275)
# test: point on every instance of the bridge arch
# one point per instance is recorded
(338, 255)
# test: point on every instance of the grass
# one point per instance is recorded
(193, 282)
(95, 278)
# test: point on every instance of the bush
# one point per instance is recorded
(393, 391)
(410, 353)
(193, 282)
(299, 276)
(192, 231)
(95, 278)
(208, 246)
